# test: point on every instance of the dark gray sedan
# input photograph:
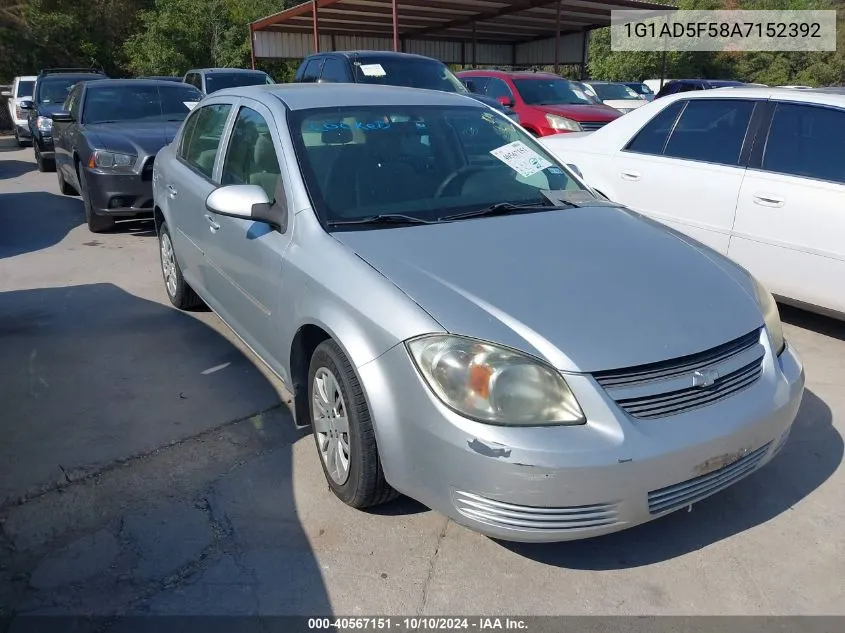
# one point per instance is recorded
(106, 139)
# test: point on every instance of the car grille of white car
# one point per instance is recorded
(668, 388)
(695, 489)
(592, 126)
(516, 517)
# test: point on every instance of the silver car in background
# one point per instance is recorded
(461, 320)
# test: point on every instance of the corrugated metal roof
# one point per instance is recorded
(494, 21)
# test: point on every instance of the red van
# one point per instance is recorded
(546, 103)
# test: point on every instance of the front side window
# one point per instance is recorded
(423, 161)
(201, 137)
(312, 70)
(550, 92)
(335, 70)
(711, 130)
(138, 102)
(651, 139)
(497, 88)
(251, 159)
(429, 74)
(800, 142)
(218, 81)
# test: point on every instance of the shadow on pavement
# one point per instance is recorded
(812, 453)
(15, 168)
(33, 221)
(812, 321)
(92, 374)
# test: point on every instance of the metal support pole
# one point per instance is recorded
(252, 46)
(662, 70)
(315, 18)
(585, 43)
(395, 27)
(557, 38)
(474, 46)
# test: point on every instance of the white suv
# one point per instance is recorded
(21, 89)
(758, 174)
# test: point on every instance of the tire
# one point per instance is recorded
(43, 164)
(181, 295)
(364, 485)
(96, 223)
(64, 187)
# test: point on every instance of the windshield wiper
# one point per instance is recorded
(385, 218)
(502, 208)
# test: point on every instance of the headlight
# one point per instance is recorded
(771, 316)
(562, 123)
(44, 124)
(494, 384)
(111, 160)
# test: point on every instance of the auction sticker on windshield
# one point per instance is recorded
(190, 104)
(521, 158)
(373, 70)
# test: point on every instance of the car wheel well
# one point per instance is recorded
(304, 343)
(158, 218)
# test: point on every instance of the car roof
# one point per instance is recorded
(303, 96)
(50, 76)
(26, 78)
(117, 83)
(225, 70)
(518, 74)
(780, 94)
(370, 53)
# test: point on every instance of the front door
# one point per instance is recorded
(248, 255)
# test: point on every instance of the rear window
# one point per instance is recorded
(411, 73)
(54, 89)
(219, 81)
(139, 102)
(25, 89)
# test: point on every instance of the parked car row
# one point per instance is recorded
(461, 316)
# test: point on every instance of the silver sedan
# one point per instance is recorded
(461, 319)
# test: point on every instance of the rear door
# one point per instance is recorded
(189, 181)
(685, 167)
(790, 221)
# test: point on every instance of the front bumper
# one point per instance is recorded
(120, 195)
(22, 130)
(566, 483)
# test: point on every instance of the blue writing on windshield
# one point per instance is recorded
(329, 126)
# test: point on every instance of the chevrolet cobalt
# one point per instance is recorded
(461, 319)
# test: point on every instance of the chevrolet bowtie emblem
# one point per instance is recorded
(704, 378)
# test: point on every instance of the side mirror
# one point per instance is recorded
(6, 93)
(26, 104)
(505, 101)
(62, 116)
(248, 202)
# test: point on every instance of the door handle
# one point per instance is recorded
(211, 223)
(630, 175)
(768, 200)
(171, 190)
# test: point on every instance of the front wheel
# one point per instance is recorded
(96, 223)
(343, 430)
(43, 164)
(181, 295)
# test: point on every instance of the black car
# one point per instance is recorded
(107, 138)
(208, 80)
(687, 85)
(48, 96)
(389, 68)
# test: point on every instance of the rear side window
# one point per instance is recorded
(335, 70)
(711, 130)
(800, 142)
(312, 70)
(201, 138)
(652, 138)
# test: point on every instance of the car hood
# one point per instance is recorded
(139, 138)
(597, 112)
(49, 109)
(625, 104)
(587, 288)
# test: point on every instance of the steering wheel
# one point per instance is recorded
(461, 172)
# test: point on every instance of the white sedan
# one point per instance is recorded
(758, 174)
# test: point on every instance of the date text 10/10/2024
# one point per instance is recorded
(417, 624)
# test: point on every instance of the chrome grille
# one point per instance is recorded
(510, 516)
(592, 126)
(668, 388)
(693, 490)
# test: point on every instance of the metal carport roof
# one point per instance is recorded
(395, 23)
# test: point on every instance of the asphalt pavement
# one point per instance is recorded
(149, 465)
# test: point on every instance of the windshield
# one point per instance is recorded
(408, 72)
(219, 81)
(55, 89)
(614, 92)
(25, 89)
(641, 89)
(550, 92)
(422, 161)
(112, 104)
